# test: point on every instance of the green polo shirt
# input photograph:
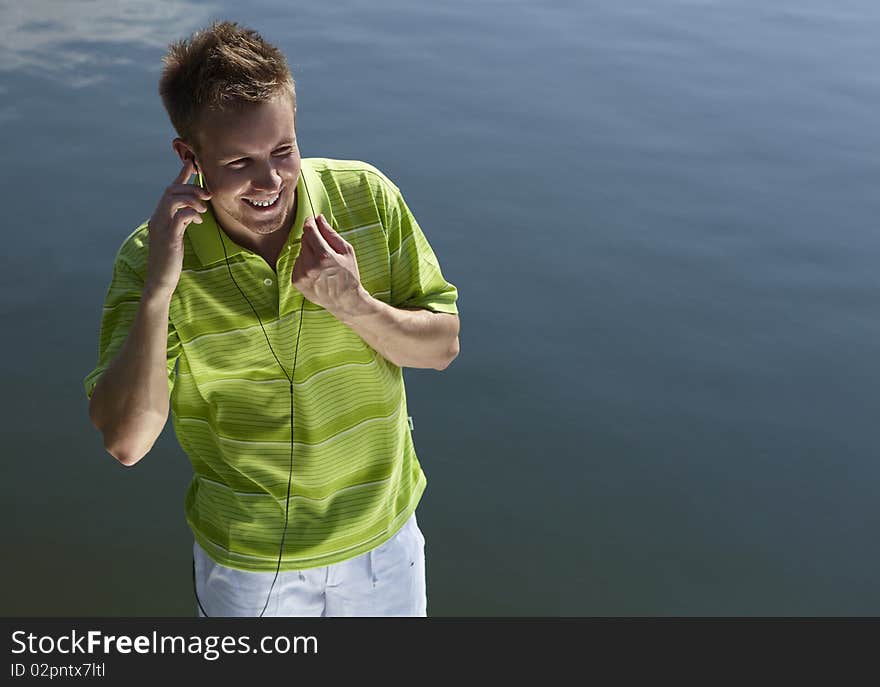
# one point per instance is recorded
(356, 478)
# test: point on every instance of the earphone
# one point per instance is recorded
(289, 379)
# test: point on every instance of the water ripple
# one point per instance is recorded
(78, 41)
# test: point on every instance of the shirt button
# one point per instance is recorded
(267, 282)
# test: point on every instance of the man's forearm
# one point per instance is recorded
(129, 404)
(407, 338)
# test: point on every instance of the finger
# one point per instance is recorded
(177, 202)
(305, 263)
(319, 243)
(185, 217)
(189, 189)
(186, 172)
(333, 239)
(304, 245)
(306, 250)
(318, 254)
(303, 239)
(308, 227)
(308, 237)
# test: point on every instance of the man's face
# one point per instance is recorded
(247, 157)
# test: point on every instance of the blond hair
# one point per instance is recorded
(222, 67)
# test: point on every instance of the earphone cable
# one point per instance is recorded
(290, 381)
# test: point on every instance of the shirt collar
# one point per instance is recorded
(204, 236)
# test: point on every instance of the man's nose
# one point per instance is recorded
(267, 177)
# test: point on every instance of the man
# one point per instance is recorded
(275, 302)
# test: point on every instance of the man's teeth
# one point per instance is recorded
(264, 203)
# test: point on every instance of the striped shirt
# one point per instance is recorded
(356, 478)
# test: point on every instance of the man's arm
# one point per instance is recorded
(326, 272)
(129, 404)
(406, 337)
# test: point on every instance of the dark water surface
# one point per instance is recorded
(662, 221)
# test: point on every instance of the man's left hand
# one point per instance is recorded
(326, 270)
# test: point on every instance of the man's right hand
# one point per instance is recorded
(181, 204)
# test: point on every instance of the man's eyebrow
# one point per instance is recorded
(240, 155)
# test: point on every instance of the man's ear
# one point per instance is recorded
(184, 151)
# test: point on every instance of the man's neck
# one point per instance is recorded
(267, 246)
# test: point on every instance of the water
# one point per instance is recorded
(661, 220)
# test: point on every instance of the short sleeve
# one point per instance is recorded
(416, 279)
(117, 316)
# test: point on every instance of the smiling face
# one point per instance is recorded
(250, 162)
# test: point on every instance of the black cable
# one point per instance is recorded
(290, 380)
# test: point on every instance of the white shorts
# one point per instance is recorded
(387, 581)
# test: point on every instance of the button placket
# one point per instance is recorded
(270, 303)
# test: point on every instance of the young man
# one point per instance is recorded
(275, 302)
